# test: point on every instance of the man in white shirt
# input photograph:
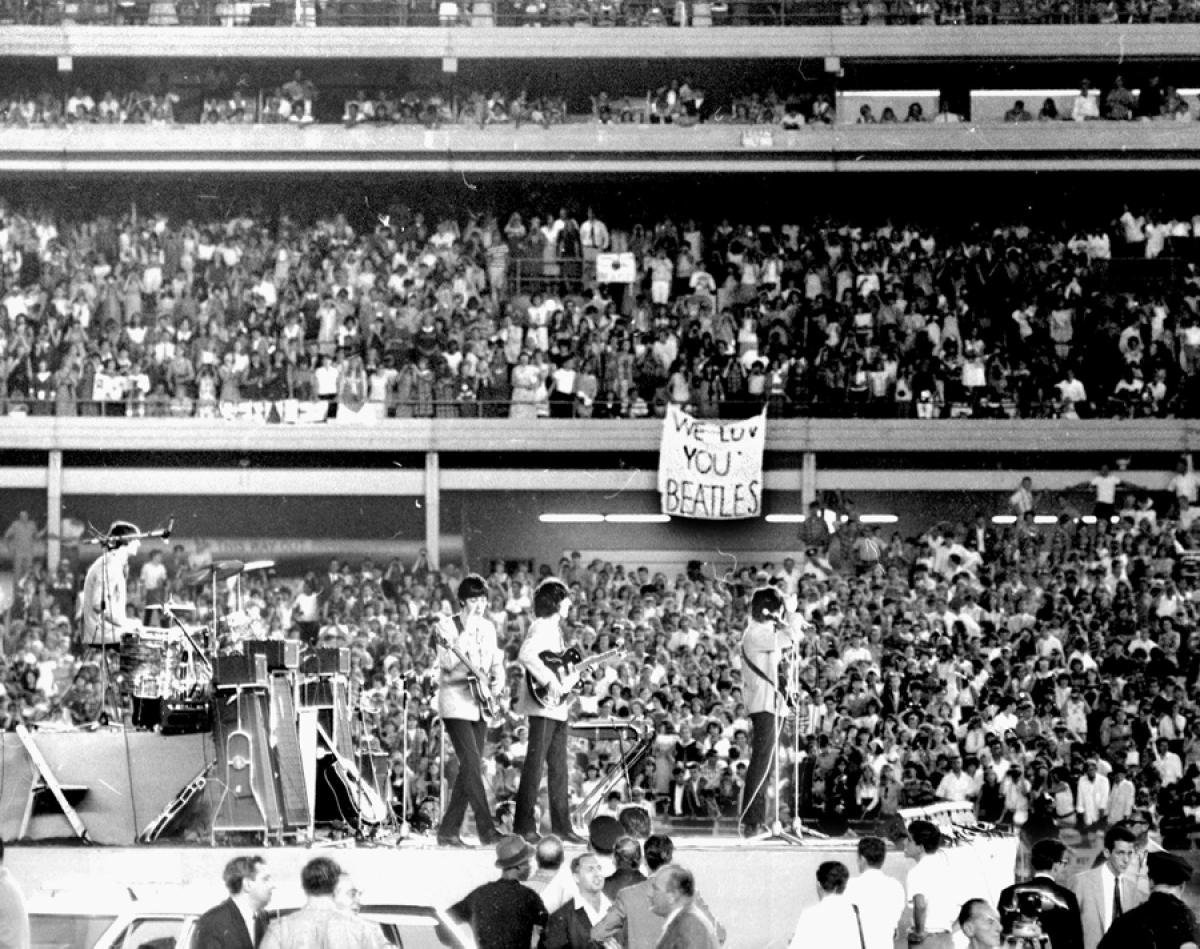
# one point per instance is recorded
(957, 785)
(1091, 799)
(933, 888)
(879, 897)
(1184, 482)
(833, 923)
(1086, 105)
(1105, 485)
(1167, 763)
(1022, 499)
(571, 924)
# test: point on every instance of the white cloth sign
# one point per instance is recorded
(711, 469)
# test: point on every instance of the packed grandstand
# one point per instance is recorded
(503, 313)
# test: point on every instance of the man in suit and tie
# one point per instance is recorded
(672, 896)
(631, 921)
(240, 921)
(1104, 893)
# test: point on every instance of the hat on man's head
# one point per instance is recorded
(1167, 869)
(512, 851)
(603, 832)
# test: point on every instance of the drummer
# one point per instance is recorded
(104, 589)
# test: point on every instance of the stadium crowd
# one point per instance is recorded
(602, 13)
(406, 315)
(1045, 672)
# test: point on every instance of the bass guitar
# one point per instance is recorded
(568, 667)
(488, 706)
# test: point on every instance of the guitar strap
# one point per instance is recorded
(762, 675)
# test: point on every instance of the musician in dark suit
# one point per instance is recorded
(240, 921)
(1058, 907)
(672, 895)
(768, 634)
(461, 695)
(547, 724)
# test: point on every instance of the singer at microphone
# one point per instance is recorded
(104, 588)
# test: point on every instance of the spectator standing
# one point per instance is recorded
(1023, 499)
(834, 922)
(1086, 105)
(14, 917)
(503, 914)
(549, 880)
(1103, 892)
(321, 922)
(932, 886)
(240, 921)
(1091, 799)
(1060, 916)
(879, 897)
(672, 896)
(627, 860)
(20, 536)
(570, 926)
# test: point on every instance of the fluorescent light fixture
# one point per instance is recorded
(878, 519)
(571, 518)
(1045, 519)
(1004, 519)
(784, 518)
(1088, 519)
(637, 518)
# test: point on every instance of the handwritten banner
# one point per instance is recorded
(710, 469)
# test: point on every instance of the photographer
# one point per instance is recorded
(1043, 904)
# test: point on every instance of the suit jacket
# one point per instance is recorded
(689, 805)
(1089, 887)
(223, 927)
(567, 928)
(620, 879)
(689, 930)
(633, 924)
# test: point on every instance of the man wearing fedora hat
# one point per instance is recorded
(504, 913)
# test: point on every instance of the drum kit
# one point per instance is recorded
(173, 663)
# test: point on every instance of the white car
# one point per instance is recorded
(78, 921)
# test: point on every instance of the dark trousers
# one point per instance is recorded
(467, 738)
(548, 744)
(764, 742)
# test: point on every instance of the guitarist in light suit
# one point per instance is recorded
(768, 634)
(547, 723)
(465, 690)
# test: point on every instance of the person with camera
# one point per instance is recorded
(1164, 921)
(1043, 904)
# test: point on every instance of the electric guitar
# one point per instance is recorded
(568, 667)
(476, 680)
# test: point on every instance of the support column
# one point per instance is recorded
(54, 479)
(808, 478)
(433, 512)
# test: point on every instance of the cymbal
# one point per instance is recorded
(258, 565)
(173, 606)
(220, 570)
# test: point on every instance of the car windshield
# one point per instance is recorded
(66, 931)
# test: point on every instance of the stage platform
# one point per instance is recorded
(757, 889)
